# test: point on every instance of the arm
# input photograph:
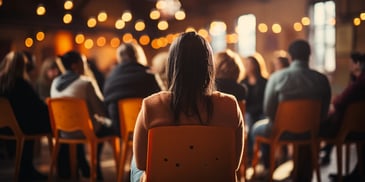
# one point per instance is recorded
(270, 99)
(140, 139)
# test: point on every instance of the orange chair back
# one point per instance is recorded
(191, 153)
(354, 119)
(297, 116)
(70, 114)
(7, 117)
(128, 112)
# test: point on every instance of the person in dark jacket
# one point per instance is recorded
(29, 109)
(130, 78)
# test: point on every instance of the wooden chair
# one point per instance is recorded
(353, 122)
(71, 114)
(7, 119)
(128, 112)
(243, 167)
(191, 153)
(295, 117)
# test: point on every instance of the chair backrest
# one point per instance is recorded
(242, 105)
(7, 117)
(191, 153)
(297, 116)
(128, 112)
(70, 114)
(354, 119)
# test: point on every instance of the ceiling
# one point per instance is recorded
(22, 13)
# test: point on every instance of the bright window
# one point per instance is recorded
(323, 37)
(246, 30)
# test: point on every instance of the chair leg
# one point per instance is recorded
(315, 151)
(347, 160)
(272, 161)
(93, 153)
(339, 161)
(116, 150)
(53, 160)
(73, 161)
(122, 160)
(360, 157)
(50, 143)
(18, 158)
(255, 158)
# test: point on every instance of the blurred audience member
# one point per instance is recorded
(228, 74)
(280, 63)
(298, 81)
(159, 63)
(353, 92)
(73, 83)
(31, 68)
(48, 72)
(130, 78)
(190, 100)
(255, 83)
(30, 111)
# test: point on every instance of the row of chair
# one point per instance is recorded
(295, 116)
(303, 116)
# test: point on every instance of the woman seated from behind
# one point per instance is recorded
(190, 100)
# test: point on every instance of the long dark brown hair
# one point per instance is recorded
(190, 75)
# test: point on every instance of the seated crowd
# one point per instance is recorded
(189, 85)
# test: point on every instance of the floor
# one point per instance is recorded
(109, 170)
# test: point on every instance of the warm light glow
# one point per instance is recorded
(160, 4)
(128, 37)
(144, 40)
(162, 42)
(102, 16)
(1, 2)
(217, 28)
(89, 43)
(170, 38)
(101, 41)
(28, 42)
(79, 38)
(41, 10)
(40, 36)
(139, 26)
(63, 42)
(297, 26)
(68, 5)
(114, 42)
(119, 24)
(306, 21)
(154, 44)
(232, 38)
(203, 32)
(357, 21)
(163, 25)
(190, 29)
(67, 18)
(91, 22)
(276, 28)
(332, 21)
(127, 16)
(362, 16)
(262, 27)
(155, 14)
(180, 15)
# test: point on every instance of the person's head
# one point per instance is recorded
(159, 63)
(72, 61)
(299, 50)
(280, 63)
(228, 65)
(358, 63)
(49, 70)
(12, 67)
(190, 73)
(131, 52)
(253, 67)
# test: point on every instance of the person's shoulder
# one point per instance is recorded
(159, 97)
(221, 96)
